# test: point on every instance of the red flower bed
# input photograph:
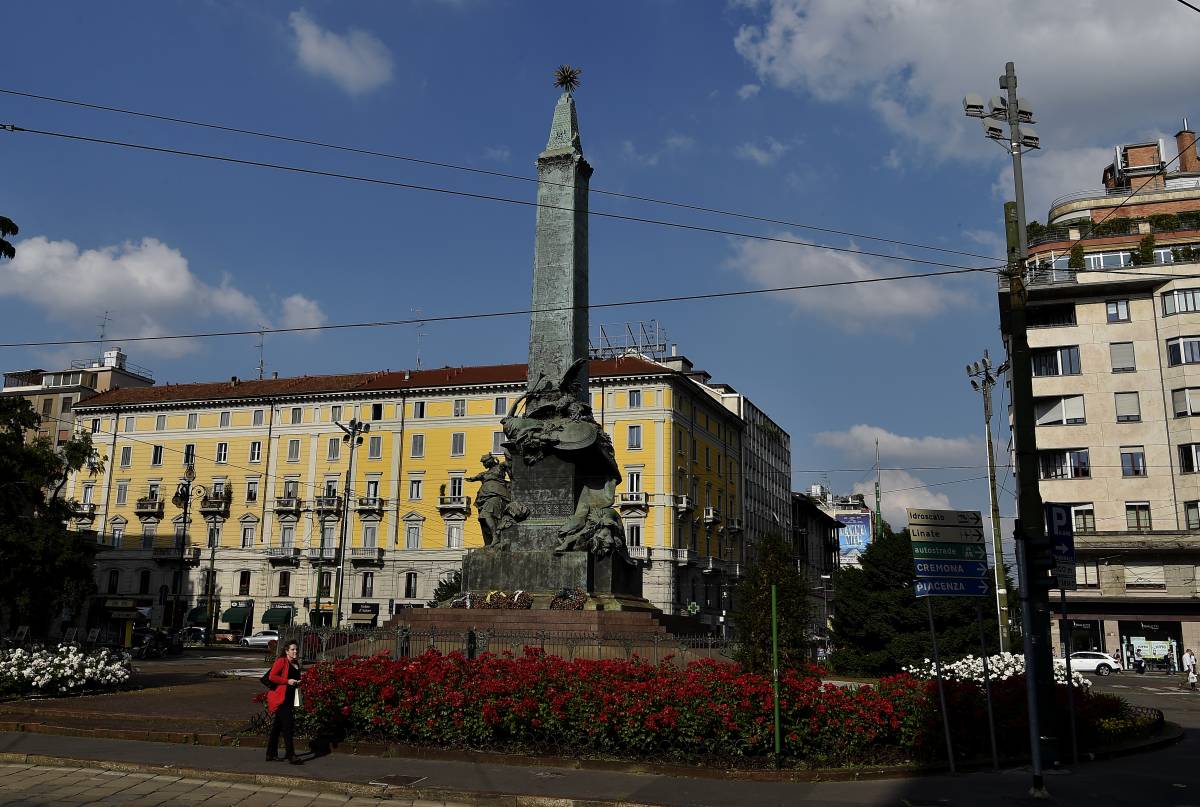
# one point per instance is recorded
(706, 710)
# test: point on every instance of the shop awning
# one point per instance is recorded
(278, 616)
(236, 615)
(361, 618)
(198, 615)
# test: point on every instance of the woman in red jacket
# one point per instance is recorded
(282, 702)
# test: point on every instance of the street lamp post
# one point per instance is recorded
(183, 499)
(825, 609)
(353, 437)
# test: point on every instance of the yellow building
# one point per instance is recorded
(270, 472)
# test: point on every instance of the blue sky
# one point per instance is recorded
(843, 114)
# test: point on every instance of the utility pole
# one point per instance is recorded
(982, 380)
(353, 437)
(1034, 556)
(878, 512)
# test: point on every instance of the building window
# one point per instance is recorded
(114, 578)
(633, 481)
(214, 535)
(243, 584)
(1145, 576)
(1191, 515)
(1054, 361)
(414, 489)
(330, 488)
(454, 536)
(375, 447)
(225, 419)
(222, 453)
(680, 441)
(150, 532)
(122, 492)
(1137, 516)
(335, 449)
(707, 457)
(251, 490)
(456, 486)
(1050, 316)
(258, 417)
(500, 406)
(324, 584)
(285, 584)
(410, 585)
(297, 415)
(458, 444)
(47, 407)
(126, 456)
(1133, 461)
(369, 536)
(1180, 301)
(256, 451)
(1129, 409)
(130, 425)
(189, 455)
(1065, 411)
(1189, 458)
(328, 538)
(95, 425)
(635, 437)
(335, 413)
(144, 582)
(1117, 310)
(1087, 574)
(1068, 464)
(118, 535)
(287, 536)
(247, 536)
(368, 585)
(290, 488)
(1186, 402)
(418, 446)
(633, 534)
(412, 536)
(635, 399)
(193, 420)
(497, 441)
(156, 454)
(460, 407)
(418, 410)
(293, 454)
(160, 423)
(1123, 360)
(695, 449)
(89, 490)
(377, 411)
(1184, 350)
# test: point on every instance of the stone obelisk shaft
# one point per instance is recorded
(558, 333)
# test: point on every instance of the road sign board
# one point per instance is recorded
(945, 518)
(1061, 532)
(950, 568)
(935, 550)
(952, 587)
(958, 535)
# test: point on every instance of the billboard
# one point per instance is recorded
(854, 537)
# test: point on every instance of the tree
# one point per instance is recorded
(1075, 259)
(447, 587)
(776, 564)
(44, 567)
(879, 625)
(7, 229)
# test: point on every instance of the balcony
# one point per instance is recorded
(172, 554)
(639, 552)
(733, 524)
(684, 557)
(84, 511)
(369, 504)
(637, 499)
(712, 516)
(454, 504)
(288, 504)
(711, 565)
(283, 555)
(328, 505)
(367, 554)
(684, 504)
(322, 554)
(148, 506)
(217, 505)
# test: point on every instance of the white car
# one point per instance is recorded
(260, 639)
(1093, 661)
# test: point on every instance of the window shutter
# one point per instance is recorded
(1128, 405)
(1145, 574)
(1073, 408)
(1049, 411)
(1122, 356)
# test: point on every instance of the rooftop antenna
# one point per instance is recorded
(262, 338)
(104, 320)
(420, 333)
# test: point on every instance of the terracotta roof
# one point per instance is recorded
(299, 386)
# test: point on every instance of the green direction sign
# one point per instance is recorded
(954, 535)
(926, 550)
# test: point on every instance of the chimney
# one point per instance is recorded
(1185, 140)
(233, 381)
(274, 374)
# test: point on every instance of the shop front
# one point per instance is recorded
(239, 616)
(364, 614)
(321, 614)
(1082, 634)
(1160, 642)
(279, 615)
(114, 618)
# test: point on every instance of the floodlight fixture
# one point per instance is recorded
(1028, 137)
(992, 129)
(973, 105)
(1024, 111)
(997, 106)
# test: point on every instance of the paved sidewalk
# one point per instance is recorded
(1165, 777)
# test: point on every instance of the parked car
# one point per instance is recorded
(1092, 661)
(193, 634)
(260, 639)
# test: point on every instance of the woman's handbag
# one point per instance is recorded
(266, 680)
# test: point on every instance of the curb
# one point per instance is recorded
(381, 791)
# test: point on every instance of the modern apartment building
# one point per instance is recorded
(815, 545)
(270, 459)
(1115, 342)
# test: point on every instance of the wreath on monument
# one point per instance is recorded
(502, 600)
(569, 600)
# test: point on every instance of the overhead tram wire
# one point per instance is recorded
(485, 172)
(499, 314)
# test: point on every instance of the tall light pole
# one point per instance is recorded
(183, 499)
(1034, 556)
(353, 437)
(982, 380)
(826, 580)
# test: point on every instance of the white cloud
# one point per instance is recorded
(858, 443)
(672, 145)
(892, 159)
(748, 91)
(912, 62)
(1052, 173)
(356, 61)
(298, 311)
(852, 308)
(148, 288)
(499, 154)
(766, 154)
(901, 490)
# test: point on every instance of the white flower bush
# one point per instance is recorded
(1001, 667)
(65, 670)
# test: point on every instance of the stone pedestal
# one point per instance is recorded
(545, 572)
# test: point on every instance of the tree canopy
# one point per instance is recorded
(752, 609)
